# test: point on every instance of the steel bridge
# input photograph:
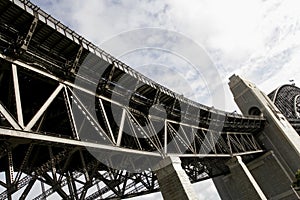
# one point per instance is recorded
(75, 122)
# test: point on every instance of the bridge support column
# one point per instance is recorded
(275, 170)
(268, 173)
(272, 177)
(239, 184)
(278, 135)
(173, 181)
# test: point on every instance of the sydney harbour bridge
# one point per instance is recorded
(76, 123)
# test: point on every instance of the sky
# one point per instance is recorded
(170, 41)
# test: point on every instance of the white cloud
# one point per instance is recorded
(227, 25)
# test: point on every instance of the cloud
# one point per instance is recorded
(206, 190)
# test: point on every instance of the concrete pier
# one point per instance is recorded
(173, 181)
(240, 180)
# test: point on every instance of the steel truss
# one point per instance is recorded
(188, 139)
(25, 139)
(54, 177)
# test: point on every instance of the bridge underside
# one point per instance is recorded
(70, 171)
(42, 147)
(79, 124)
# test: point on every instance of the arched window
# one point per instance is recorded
(254, 111)
(297, 106)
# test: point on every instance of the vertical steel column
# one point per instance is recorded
(71, 186)
(86, 174)
(166, 138)
(52, 164)
(75, 63)
(11, 166)
(9, 174)
(43, 190)
(70, 112)
(17, 95)
(107, 121)
(121, 127)
(30, 32)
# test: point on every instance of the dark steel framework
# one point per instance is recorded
(49, 136)
(287, 100)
